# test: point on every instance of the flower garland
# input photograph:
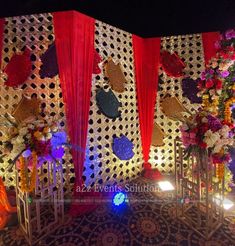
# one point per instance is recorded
(217, 90)
(211, 107)
(227, 110)
(27, 184)
(220, 170)
(217, 80)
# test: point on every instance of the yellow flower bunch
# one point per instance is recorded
(210, 107)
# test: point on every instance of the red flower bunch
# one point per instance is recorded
(205, 131)
(230, 125)
(43, 148)
(221, 158)
(212, 83)
(226, 53)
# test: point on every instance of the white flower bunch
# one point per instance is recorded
(210, 138)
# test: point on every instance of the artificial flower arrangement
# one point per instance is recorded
(217, 81)
(205, 133)
(217, 89)
(31, 143)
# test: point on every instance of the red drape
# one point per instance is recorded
(209, 39)
(2, 22)
(74, 38)
(147, 58)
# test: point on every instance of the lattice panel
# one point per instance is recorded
(190, 49)
(35, 32)
(102, 166)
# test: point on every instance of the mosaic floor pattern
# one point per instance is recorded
(150, 221)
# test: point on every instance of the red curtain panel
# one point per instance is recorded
(147, 58)
(208, 40)
(74, 39)
(2, 22)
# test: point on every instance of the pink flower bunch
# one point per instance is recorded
(205, 131)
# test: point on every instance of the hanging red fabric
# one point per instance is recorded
(147, 59)
(209, 39)
(2, 22)
(74, 38)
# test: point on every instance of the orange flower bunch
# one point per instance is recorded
(220, 168)
(227, 110)
(28, 184)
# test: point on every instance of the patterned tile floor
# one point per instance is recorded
(150, 221)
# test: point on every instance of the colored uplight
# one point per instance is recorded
(165, 186)
(225, 203)
(119, 198)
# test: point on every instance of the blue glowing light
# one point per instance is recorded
(119, 198)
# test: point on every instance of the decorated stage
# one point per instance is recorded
(96, 106)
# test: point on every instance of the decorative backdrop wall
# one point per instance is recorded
(101, 165)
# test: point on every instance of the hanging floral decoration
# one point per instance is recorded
(97, 60)
(190, 90)
(172, 64)
(49, 67)
(227, 110)
(18, 69)
(123, 147)
(108, 103)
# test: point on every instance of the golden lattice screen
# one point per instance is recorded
(190, 49)
(35, 32)
(101, 165)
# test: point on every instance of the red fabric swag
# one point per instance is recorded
(209, 39)
(2, 22)
(74, 38)
(147, 57)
